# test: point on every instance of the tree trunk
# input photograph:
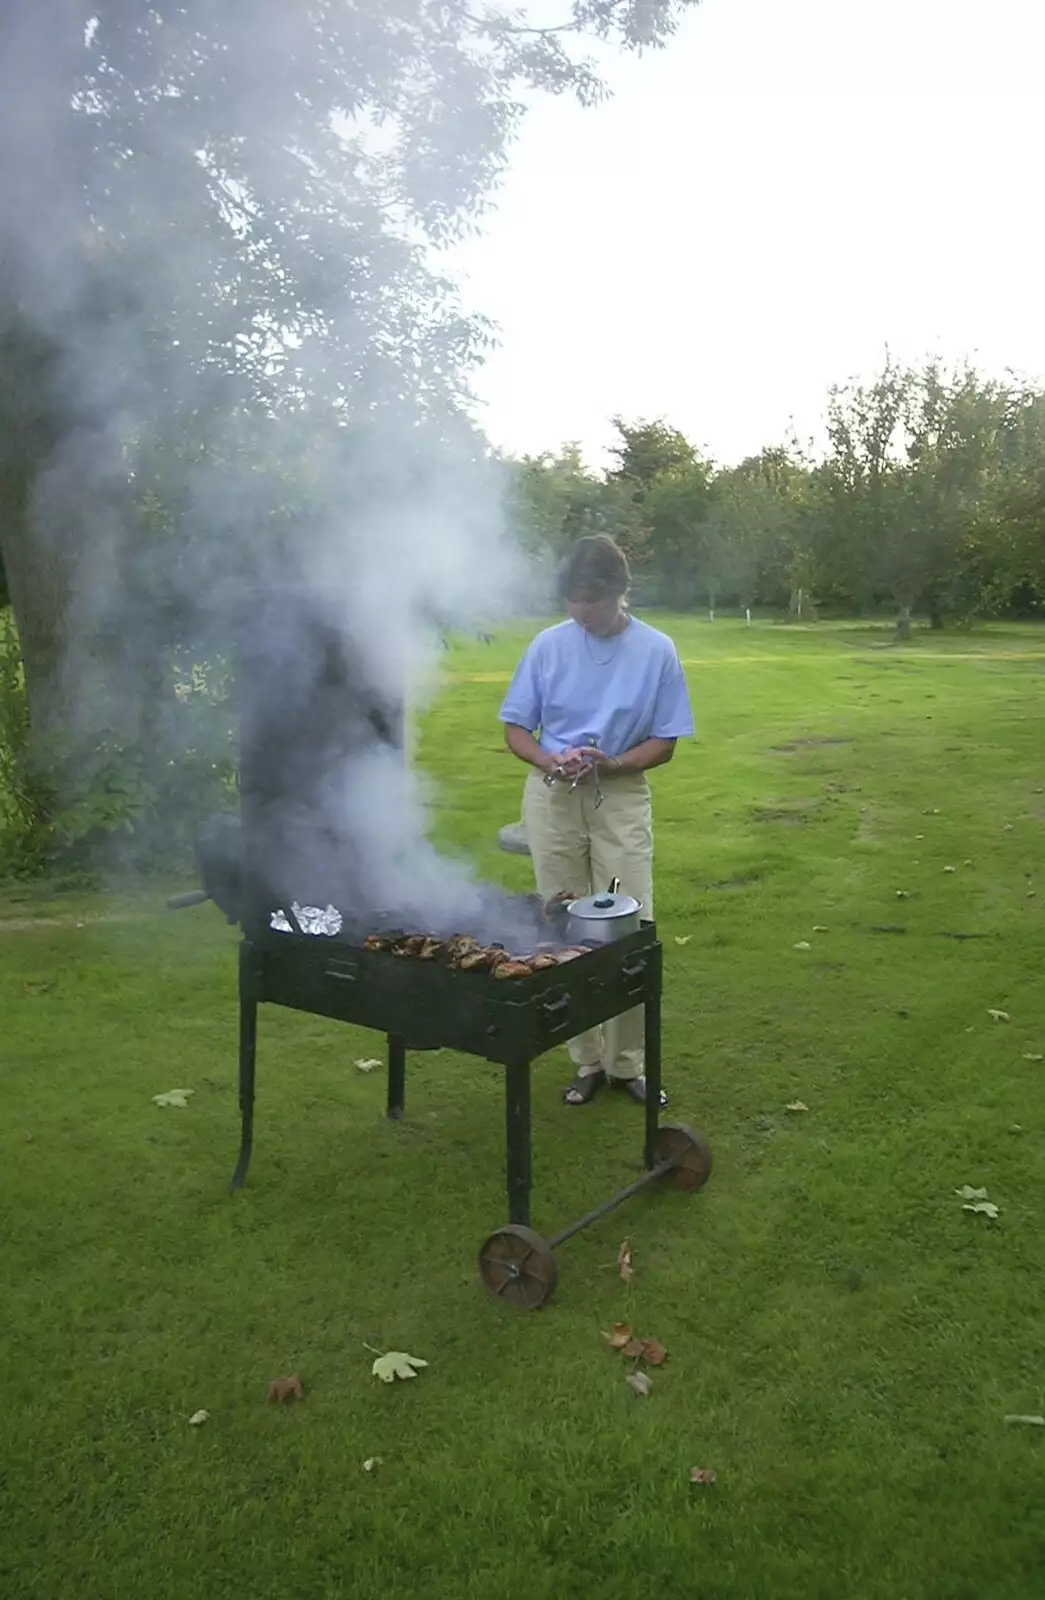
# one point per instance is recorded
(936, 619)
(38, 550)
(903, 624)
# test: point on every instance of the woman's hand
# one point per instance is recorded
(583, 759)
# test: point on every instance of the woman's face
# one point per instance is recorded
(596, 613)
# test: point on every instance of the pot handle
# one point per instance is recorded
(614, 886)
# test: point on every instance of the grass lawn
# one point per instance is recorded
(845, 1341)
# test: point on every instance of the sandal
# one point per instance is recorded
(636, 1088)
(583, 1089)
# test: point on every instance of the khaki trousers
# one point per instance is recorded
(579, 849)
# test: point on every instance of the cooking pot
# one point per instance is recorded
(602, 918)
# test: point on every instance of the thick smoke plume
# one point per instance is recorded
(195, 445)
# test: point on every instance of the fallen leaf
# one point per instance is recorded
(283, 1389)
(371, 1463)
(367, 1066)
(967, 862)
(618, 1336)
(639, 1382)
(932, 811)
(983, 1208)
(1008, 827)
(1033, 1055)
(999, 1016)
(173, 1097)
(633, 1349)
(919, 835)
(803, 944)
(683, 938)
(624, 1266)
(198, 1418)
(901, 894)
(819, 928)
(702, 1474)
(796, 1105)
(950, 869)
(653, 1353)
(1030, 1422)
(968, 1193)
(396, 1364)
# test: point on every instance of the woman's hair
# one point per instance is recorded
(596, 568)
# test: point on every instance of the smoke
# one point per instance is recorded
(191, 436)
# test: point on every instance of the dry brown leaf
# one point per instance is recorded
(702, 1474)
(624, 1265)
(619, 1335)
(639, 1382)
(653, 1352)
(283, 1389)
(634, 1348)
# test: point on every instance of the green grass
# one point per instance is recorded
(844, 1340)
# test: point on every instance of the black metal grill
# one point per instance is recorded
(293, 702)
(426, 1006)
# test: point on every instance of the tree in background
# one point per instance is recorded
(213, 269)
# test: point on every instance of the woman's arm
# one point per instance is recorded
(650, 753)
(522, 743)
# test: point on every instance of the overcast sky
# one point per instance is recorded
(760, 209)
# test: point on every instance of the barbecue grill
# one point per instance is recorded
(313, 960)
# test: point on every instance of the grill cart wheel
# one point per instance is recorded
(517, 1266)
(689, 1154)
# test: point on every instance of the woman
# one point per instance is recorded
(599, 691)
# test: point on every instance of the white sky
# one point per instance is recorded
(763, 207)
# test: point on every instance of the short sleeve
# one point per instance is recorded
(523, 703)
(672, 717)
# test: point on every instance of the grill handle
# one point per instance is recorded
(556, 1008)
(181, 902)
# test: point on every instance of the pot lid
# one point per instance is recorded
(604, 907)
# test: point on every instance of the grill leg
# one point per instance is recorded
(653, 1063)
(396, 1077)
(517, 1132)
(248, 1042)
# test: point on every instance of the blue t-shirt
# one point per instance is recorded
(577, 689)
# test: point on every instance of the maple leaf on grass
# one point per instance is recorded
(396, 1364)
(967, 1192)
(283, 1389)
(702, 1475)
(796, 1105)
(619, 1335)
(983, 1208)
(198, 1418)
(998, 1016)
(633, 1349)
(653, 1352)
(639, 1382)
(367, 1066)
(173, 1097)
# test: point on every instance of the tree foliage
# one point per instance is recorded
(929, 497)
(216, 297)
